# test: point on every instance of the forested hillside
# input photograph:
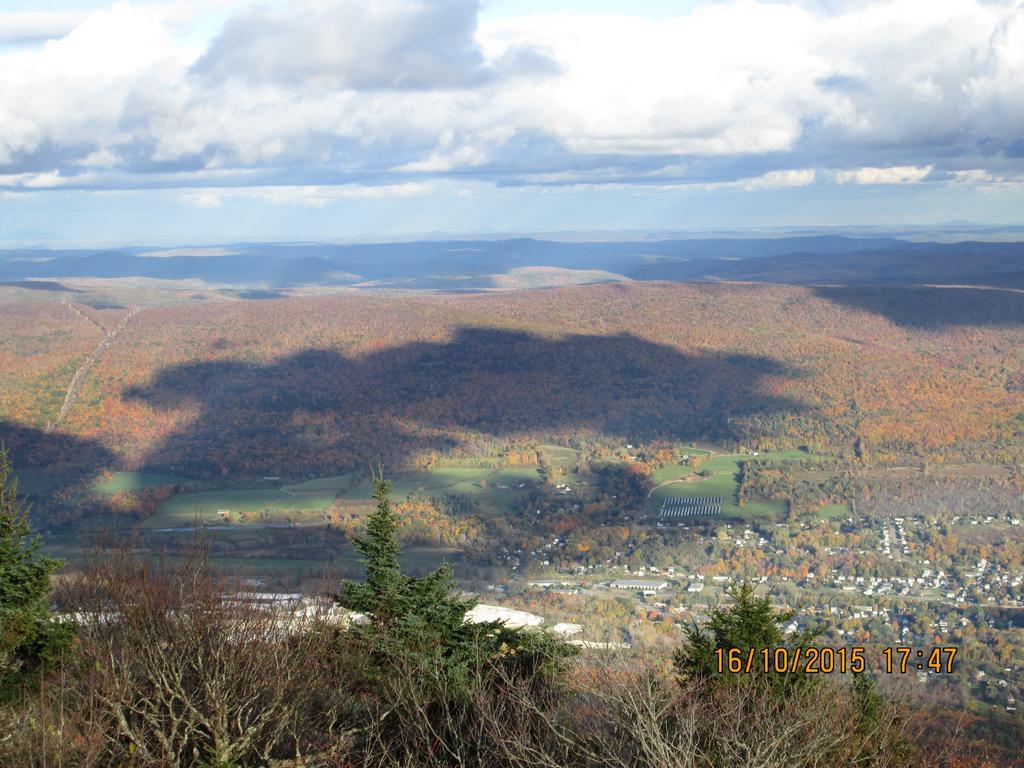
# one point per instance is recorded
(303, 385)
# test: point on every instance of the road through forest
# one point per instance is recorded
(74, 387)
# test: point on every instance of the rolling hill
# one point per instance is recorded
(456, 265)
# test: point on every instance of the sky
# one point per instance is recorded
(200, 121)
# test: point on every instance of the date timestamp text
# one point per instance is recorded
(826, 660)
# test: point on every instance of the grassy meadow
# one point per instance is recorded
(720, 476)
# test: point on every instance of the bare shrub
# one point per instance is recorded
(614, 714)
(173, 671)
(648, 720)
(499, 717)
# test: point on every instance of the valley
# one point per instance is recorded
(866, 443)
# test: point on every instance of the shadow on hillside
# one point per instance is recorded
(929, 308)
(258, 294)
(38, 285)
(316, 411)
(57, 460)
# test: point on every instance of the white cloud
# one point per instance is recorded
(974, 176)
(729, 79)
(772, 180)
(996, 92)
(780, 179)
(47, 180)
(83, 89)
(801, 177)
(985, 181)
(899, 174)
(374, 95)
(415, 44)
(448, 157)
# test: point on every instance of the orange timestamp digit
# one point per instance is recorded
(827, 660)
(824, 660)
(903, 658)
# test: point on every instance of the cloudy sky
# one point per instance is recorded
(212, 120)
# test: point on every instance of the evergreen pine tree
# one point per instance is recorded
(30, 639)
(751, 622)
(422, 621)
(380, 595)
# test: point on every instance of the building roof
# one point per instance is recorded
(640, 583)
(514, 619)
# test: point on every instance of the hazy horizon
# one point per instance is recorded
(949, 232)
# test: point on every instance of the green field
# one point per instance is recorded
(335, 483)
(676, 471)
(136, 481)
(692, 451)
(835, 510)
(471, 481)
(241, 509)
(288, 502)
(184, 508)
(243, 502)
(722, 484)
(496, 487)
(723, 480)
(560, 456)
(671, 472)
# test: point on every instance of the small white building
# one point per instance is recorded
(644, 586)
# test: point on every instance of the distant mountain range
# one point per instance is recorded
(527, 262)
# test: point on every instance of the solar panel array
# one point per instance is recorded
(690, 506)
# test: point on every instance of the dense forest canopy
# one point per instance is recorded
(342, 379)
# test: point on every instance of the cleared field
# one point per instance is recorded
(677, 471)
(721, 483)
(723, 477)
(184, 508)
(835, 510)
(312, 496)
(458, 481)
(136, 481)
(958, 471)
(335, 483)
(471, 481)
(402, 484)
(671, 473)
(560, 456)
